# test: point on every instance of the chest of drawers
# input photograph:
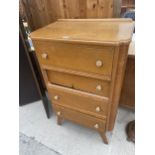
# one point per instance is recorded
(83, 63)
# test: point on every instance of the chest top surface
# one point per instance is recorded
(97, 31)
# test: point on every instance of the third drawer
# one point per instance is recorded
(81, 101)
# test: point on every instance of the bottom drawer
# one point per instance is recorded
(80, 118)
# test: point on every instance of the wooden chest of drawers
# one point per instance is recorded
(83, 63)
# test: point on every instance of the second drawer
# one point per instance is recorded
(91, 85)
(81, 101)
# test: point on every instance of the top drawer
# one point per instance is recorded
(85, 58)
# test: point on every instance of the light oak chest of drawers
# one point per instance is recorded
(83, 63)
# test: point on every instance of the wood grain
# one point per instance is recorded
(114, 31)
(121, 64)
(117, 8)
(66, 62)
(76, 57)
(127, 5)
(73, 72)
(80, 118)
(43, 12)
(79, 82)
(78, 100)
(127, 98)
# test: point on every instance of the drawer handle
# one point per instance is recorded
(56, 97)
(99, 63)
(58, 113)
(44, 55)
(98, 109)
(96, 126)
(98, 87)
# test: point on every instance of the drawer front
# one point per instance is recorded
(80, 118)
(98, 87)
(85, 58)
(81, 101)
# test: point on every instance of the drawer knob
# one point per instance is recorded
(99, 87)
(96, 126)
(56, 97)
(58, 113)
(99, 63)
(44, 55)
(98, 109)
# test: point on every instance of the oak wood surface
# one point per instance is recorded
(82, 43)
(79, 82)
(75, 57)
(131, 51)
(112, 90)
(80, 118)
(89, 31)
(121, 64)
(127, 98)
(75, 72)
(78, 100)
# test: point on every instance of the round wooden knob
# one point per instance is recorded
(44, 55)
(99, 63)
(99, 87)
(58, 113)
(56, 97)
(96, 126)
(98, 109)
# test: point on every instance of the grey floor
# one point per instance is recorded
(30, 146)
(41, 136)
